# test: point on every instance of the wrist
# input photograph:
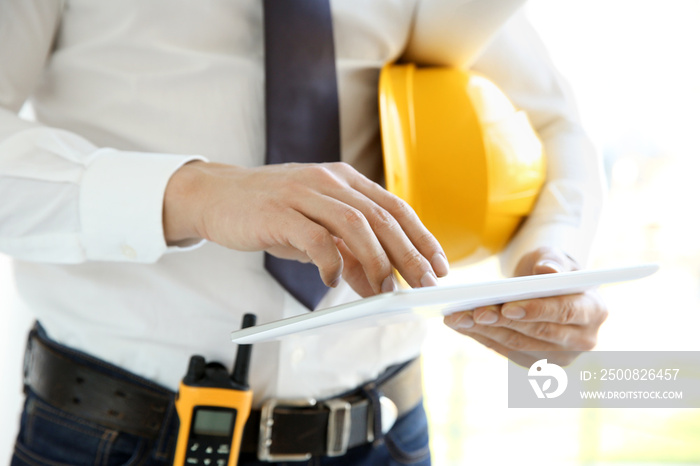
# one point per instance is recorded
(181, 204)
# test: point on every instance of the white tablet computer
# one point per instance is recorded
(442, 300)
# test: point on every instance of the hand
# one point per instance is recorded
(328, 214)
(559, 323)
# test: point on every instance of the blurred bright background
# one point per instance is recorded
(634, 66)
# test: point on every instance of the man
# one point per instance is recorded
(150, 138)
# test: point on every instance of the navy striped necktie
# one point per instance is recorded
(301, 105)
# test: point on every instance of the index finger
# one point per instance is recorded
(575, 309)
(424, 241)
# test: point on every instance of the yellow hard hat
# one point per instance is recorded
(457, 150)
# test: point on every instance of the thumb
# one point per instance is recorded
(547, 266)
(545, 260)
(554, 261)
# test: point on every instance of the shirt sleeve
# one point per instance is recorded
(62, 199)
(567, 210)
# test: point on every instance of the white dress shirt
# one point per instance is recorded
(127, 92)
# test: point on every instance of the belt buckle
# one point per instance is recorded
(266, 422)
(338, 436)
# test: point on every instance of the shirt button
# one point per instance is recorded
(128, 251)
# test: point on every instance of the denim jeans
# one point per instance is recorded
(49, 436)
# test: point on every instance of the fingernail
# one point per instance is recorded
(555, 266)
(429, 279)
(335, 282)
(464, 321)
(488, 317)
(388, 285)
(513, 312)
(440, 265)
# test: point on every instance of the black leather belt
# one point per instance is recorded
(282, 430)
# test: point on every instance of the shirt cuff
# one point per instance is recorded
(121, 204)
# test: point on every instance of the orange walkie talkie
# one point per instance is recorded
(213, 408)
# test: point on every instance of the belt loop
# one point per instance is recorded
(29, 356)
(374, 422)
(165, 442)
